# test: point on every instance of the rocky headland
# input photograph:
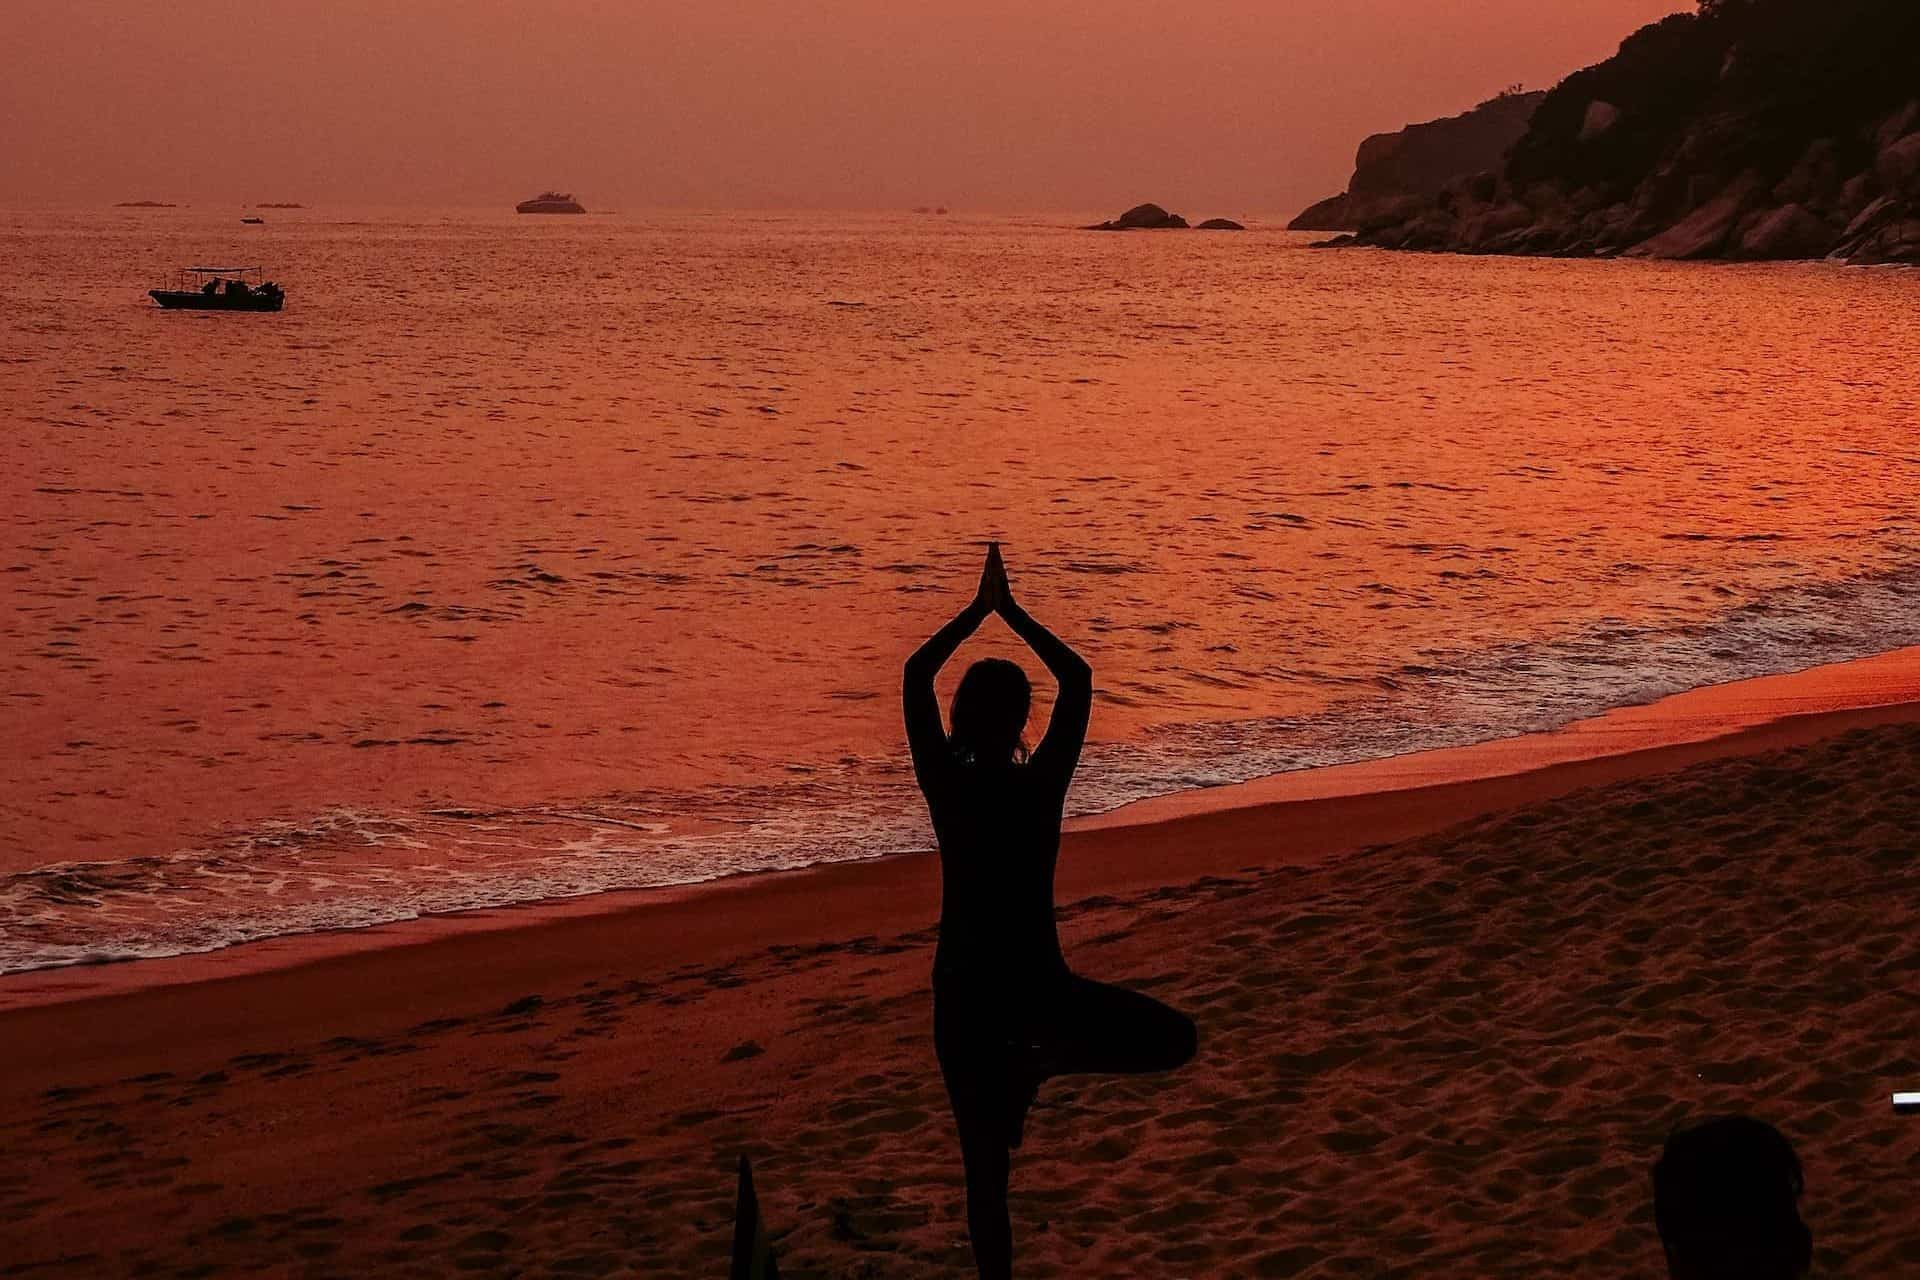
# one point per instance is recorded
(1397, 173)
(1753, 129)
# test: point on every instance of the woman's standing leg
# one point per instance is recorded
(983, 1151)
(973, 1063)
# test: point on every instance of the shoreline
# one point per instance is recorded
(1696, 724)
(1156, 843)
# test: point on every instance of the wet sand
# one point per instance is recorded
(1444, 1029)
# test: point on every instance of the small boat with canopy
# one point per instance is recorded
(551, 202)
(221, 289)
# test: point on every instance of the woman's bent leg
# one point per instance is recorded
(1109, 1030)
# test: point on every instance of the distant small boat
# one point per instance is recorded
(253, 222)
(551, 202)
(221, 289)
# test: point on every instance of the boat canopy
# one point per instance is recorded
(220, 271)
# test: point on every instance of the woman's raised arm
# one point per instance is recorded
(925, 736)
(1059, 752)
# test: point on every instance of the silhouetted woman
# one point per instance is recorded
(1007, 1012)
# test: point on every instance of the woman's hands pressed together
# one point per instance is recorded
(994, 594)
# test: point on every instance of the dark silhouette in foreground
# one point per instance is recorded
(753, 1257)
(1008, 1013)
(1726, 1200)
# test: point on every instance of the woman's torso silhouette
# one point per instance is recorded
(999, 834)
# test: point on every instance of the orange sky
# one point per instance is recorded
(1210, 106)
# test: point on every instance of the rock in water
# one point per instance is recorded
(1142, 217)
(1219, 224)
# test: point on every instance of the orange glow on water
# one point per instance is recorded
(615, 514)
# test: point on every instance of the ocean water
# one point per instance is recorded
(522, 558)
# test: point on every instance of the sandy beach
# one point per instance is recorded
(1445, 1026)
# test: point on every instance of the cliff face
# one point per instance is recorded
(1755, 129)
(1416, 164)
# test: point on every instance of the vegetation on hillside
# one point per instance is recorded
(1748, 129)
(1765, 77)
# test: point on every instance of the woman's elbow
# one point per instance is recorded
(916, 678)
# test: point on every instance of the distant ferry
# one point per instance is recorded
(550, 202)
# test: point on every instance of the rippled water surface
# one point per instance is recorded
(523, 557)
